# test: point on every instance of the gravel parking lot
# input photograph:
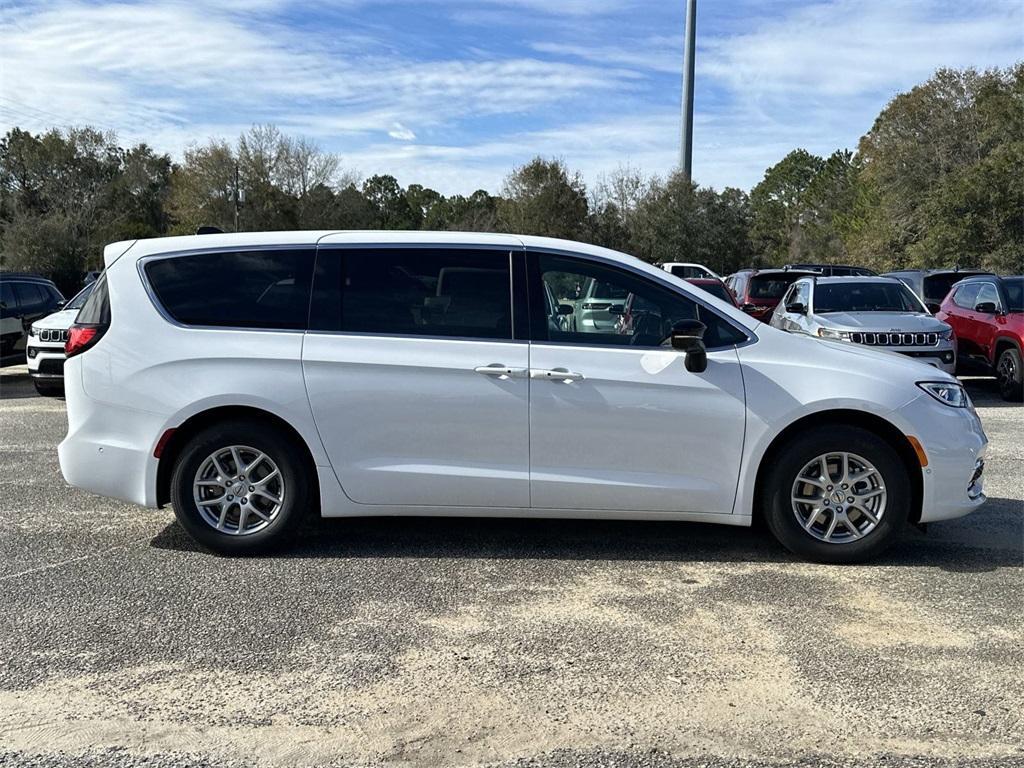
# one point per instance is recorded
(443, 641)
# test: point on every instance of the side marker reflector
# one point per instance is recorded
(165, 438)
(919, 450)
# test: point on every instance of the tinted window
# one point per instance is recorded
(644, 319)
(770, 286)
(414, 292)
(96, 310)
(865, 297)
(31, 297)
(937, 286)
(10, 303)
(246, 289)
(1014, 290)
(716, 289)
(965, 295)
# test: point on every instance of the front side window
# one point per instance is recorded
(865, 297)
(30, 296)
(237, 289)
(987, 294)
(966, 296)
(633, 311)
(414, 292)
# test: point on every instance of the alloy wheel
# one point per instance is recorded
(838, 497)
(238, 490)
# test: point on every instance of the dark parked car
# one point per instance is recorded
(758, 291)
(24, 299)
(835, 270)
(987, 316)
(932, 285)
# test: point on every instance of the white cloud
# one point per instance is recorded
(400, 132)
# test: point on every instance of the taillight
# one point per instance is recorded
(81, 337)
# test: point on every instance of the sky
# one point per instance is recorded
(453, 94)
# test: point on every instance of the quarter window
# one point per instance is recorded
(414, 292)
(608, 306)
(243, 289)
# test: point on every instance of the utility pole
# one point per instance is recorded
(686, 131)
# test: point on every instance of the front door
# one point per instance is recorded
(616, 421)
(418, 388)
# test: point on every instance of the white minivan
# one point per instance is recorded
(248, 379)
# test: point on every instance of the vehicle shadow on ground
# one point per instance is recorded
(985, 392)
(987, 540)
(16, 384)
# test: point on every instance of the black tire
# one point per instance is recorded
(49, 389)
(1010, 375)
(280, 448)
(778, 508)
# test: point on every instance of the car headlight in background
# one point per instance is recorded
(32, 331)
(829, 333)
(947, 393)
(946, 335)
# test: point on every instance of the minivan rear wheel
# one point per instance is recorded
(238, 488)
(837, 494)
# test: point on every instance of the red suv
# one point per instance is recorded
(758, 291)
(987, 316)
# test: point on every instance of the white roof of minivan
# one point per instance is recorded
(157, 245)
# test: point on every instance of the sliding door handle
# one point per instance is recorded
(556, 374)
(499, 370)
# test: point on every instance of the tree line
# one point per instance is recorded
(938, 180)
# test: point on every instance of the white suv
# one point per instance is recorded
(247, 379)
(44, 349)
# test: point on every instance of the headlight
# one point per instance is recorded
(32, 331)
(829, 333)
(946, 393)
(946, 335)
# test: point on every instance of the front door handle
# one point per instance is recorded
(499, 370)
(556, 374)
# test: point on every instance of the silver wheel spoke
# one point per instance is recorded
(226, 502)
(825, 503)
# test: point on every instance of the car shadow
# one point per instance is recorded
(985, 541)
(985, 392)
(16, 385)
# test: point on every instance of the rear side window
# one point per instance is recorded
(96, 310)
(237, 289)
(414, 292)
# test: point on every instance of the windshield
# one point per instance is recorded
(865, 297)
(1014, 294)
(770, 286)
(602, 290)
(79, 300)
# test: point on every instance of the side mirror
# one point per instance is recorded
(986, 307)
(797, 308)
(564, 309)
(750, 308)
(932, 306)
(616, 309)
(61, 303)
(688, 337)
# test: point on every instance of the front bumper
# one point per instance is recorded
(955, 444)
(45, 361)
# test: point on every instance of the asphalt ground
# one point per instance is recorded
(502, 642)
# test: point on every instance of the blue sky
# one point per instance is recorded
(454, 94)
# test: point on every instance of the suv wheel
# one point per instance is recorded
(837, 495)
(1010, 375)
(239, 488)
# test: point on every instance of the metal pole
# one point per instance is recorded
(236, 197)
(686, 133)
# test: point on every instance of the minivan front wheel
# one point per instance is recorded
(837, 495)
(238, 488)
